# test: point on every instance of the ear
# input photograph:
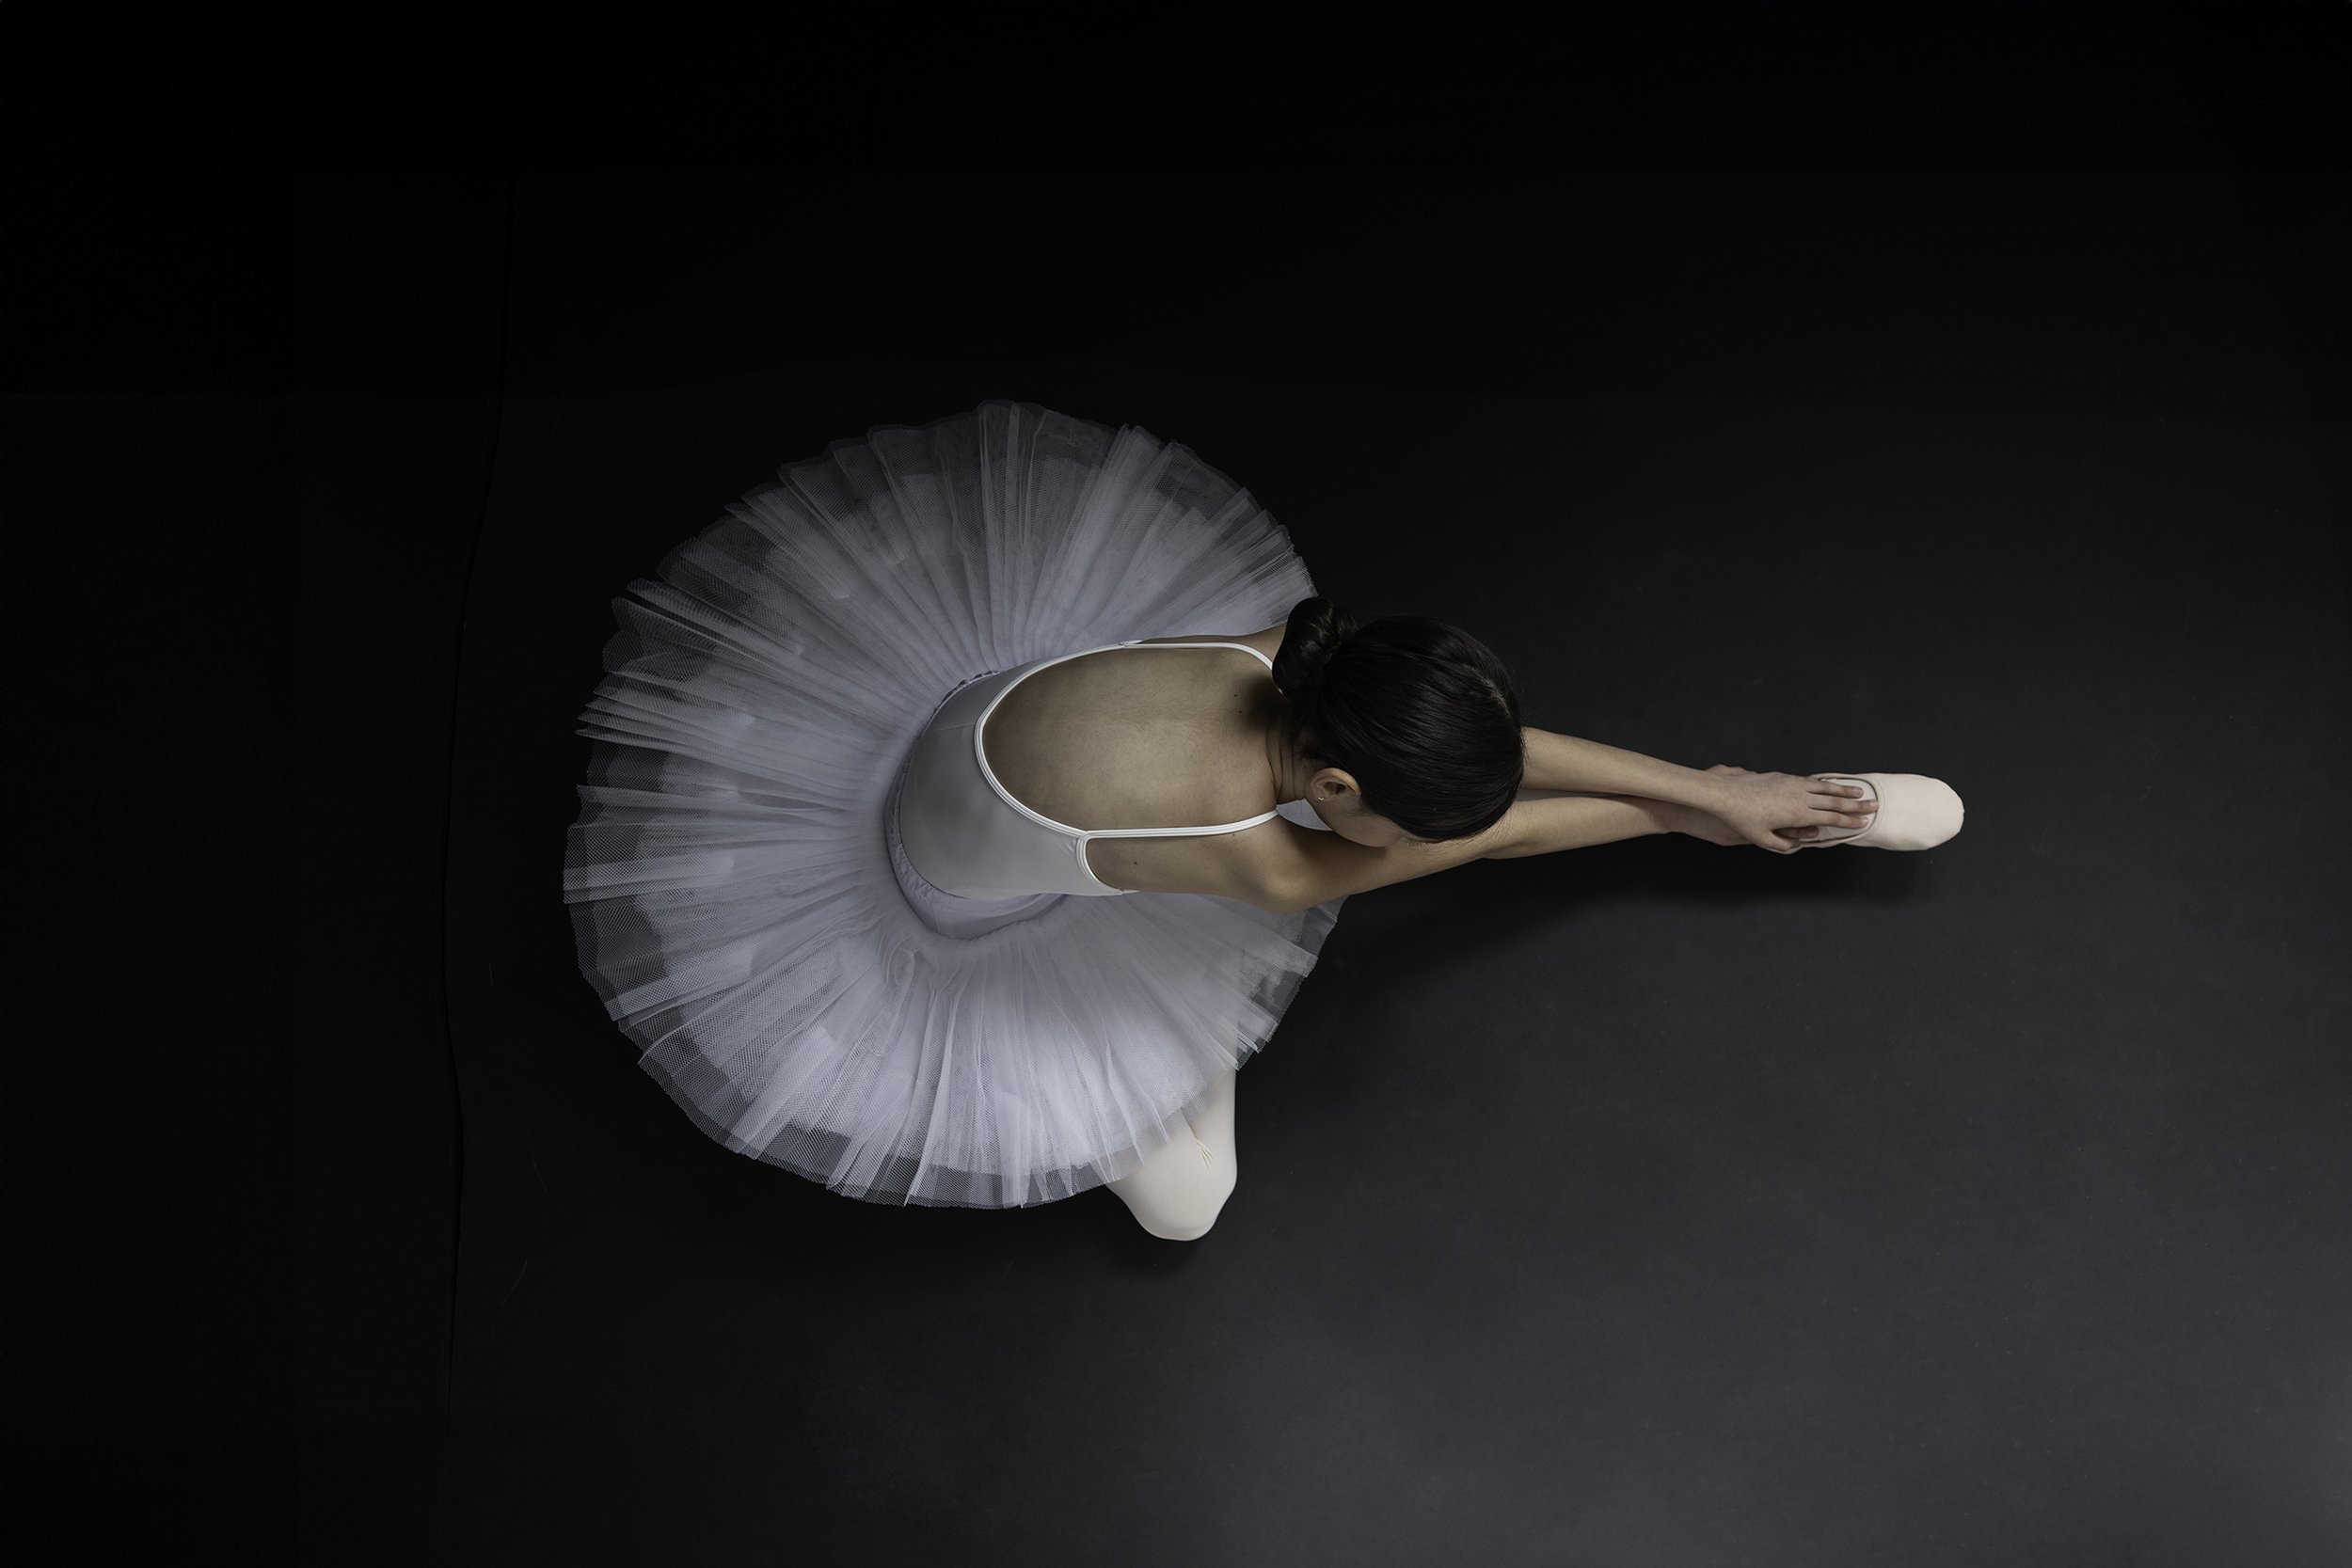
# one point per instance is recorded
(1343, 781)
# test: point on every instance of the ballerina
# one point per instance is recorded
(909, 868)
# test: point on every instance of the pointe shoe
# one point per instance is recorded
(1915, 812)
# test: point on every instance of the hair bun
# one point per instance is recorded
(1317, 628)
(1313, 671)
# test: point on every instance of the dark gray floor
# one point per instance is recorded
(1657, 1204)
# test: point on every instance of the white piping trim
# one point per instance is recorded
(1085, 836)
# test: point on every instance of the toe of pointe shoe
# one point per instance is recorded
(1915, 812)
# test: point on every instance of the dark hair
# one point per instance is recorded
(1423, 715)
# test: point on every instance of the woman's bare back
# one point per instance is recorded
(1124, 739)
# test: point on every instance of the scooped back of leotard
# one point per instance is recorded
(969, 837)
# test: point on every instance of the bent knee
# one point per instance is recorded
(1188, 1224)
(1185, 1213)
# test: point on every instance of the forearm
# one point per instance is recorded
(1541, 827)
(1564, 762)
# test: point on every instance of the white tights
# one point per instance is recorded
(1176, 1193)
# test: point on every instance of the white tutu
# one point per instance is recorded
(739, 903)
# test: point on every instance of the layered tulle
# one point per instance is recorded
(739, 902)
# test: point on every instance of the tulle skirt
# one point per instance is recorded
(738, 898)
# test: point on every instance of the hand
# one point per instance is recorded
(1775, 811)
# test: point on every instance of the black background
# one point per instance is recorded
(1950, 390)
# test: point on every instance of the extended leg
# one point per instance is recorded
(1177, 1192)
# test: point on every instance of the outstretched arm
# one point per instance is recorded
(1773, 811)
(1588, 767)
(1542, 826)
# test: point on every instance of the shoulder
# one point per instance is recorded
(1277, 865)
(1299, 868)
(1268, 641)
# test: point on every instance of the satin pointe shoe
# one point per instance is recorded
(1915, 812)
